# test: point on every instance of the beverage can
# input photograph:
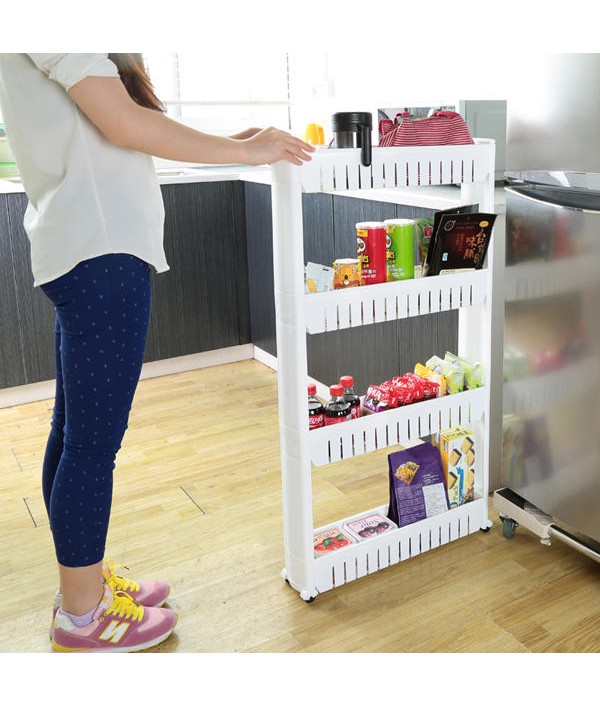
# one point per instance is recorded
(371, 251)
(400, 248)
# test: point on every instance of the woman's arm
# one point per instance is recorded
(123, 122)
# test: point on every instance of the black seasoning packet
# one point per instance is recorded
(461, 243)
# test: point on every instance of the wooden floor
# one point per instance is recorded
(197, 502)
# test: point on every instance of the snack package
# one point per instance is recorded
(318, 278)
(438, 378)
(369, 526)
(457, 451)
(473, 371)
(380, 398)
(454, 374)
(423, 230)
(399, 391)
(327, 541)
(417, 484)
(429, 387)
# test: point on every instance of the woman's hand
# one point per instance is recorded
(272, 145)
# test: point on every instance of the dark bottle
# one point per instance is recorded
(337, 409)
(316, 412)
(347, 382)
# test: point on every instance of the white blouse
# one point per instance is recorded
(86, 196)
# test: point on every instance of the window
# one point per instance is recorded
(223, 93)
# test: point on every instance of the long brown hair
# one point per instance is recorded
(137, 82)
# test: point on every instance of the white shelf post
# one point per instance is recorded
(292, 374)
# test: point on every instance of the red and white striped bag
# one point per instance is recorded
(444, 127)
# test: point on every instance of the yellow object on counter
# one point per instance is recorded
(314, 134)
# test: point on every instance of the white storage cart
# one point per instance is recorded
(299, 314)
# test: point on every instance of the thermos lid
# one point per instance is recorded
(350, 122)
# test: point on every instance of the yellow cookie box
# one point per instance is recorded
(459, 460)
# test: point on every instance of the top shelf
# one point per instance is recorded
(391, 167)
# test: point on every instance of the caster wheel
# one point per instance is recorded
(308, 597)
(487, 527)
(509, 527)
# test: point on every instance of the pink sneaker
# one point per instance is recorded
(147, 593)
(119, 624)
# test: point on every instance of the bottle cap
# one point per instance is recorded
(347, 381)
(312, 388)
(336, 390)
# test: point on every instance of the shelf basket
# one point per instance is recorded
(380, 430)
(395, 167)
(377, 553)
(358, 306)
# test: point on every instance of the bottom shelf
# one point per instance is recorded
(376, 553)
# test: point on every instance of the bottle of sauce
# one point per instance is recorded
(316, 412)
(337, 409)
(347, 382)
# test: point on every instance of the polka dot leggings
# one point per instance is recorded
(102, 310)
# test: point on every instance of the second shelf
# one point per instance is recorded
(358, 306)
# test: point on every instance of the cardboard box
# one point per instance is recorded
(459, 461)
(368, 526)
(326, 541)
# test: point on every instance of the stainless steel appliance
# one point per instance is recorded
(551, 391)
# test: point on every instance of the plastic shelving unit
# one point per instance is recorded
(298, 314)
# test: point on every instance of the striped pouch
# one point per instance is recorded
(444, 127)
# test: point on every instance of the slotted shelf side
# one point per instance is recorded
(377, 553)
(375, 303)
(380, 430)
(396, 167)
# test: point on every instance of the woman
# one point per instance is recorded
(82, 128)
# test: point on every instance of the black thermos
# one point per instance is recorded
(353, 130)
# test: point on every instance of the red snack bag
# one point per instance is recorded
(405, 389)
(375, 399)
(427, 388)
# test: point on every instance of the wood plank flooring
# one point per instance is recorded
(197, 502)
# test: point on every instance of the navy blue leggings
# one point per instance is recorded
(102, 311)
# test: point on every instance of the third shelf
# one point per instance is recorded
(396, 426)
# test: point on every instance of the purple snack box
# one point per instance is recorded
(417, 484)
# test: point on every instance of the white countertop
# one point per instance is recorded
(181, 175)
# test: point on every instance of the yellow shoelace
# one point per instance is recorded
(120, 583)
(124, 606)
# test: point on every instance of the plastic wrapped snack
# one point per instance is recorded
(318, 278)
(473, 371)
(454, 374)
(437, 378)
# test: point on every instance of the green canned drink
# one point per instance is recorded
(400, 248)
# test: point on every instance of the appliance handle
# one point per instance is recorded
(366, 146)
(588, 201)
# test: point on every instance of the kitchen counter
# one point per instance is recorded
(180, 175)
